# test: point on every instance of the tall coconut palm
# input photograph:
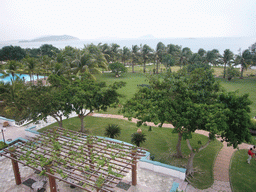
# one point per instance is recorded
(126, 53)
(184, 56)
(135, 54)
(114, 52)
(244, 59)
(212, 57)
(228, 56)
(146, 52)
(160, 52)
(30, 66)
(12, 68)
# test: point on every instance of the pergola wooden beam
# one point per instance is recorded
(74, 155)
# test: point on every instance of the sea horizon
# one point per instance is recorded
(207, 43)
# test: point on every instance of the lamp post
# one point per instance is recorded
(3, 129)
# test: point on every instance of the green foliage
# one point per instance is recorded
(117, 68)
(232, 72)
(112, 130)
(138, 138)
(2, 145)
(236, 110)
(253, 124)
(198, 65)
(49, 50)
(12, 53)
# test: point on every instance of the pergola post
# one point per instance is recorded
(134, 169)
(90, 153)
(52, 182)
(16, 171)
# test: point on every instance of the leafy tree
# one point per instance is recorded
(88, 95)
(117, 68)
(189, 101)
(53, 100)
(138, 138)
(227, 58)
(112, 131)
(49, 50)
(12, 53)
(168, 61)
(202, 53)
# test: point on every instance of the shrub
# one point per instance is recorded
(253, 124)
(112, 131)
(138, 138)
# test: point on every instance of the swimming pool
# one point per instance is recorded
(21, 76)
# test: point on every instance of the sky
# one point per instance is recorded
(94, 19)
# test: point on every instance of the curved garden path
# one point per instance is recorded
(221, 166)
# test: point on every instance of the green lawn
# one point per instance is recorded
(242, 175)
(161, 143)
(246, 85)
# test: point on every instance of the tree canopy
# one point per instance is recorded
(191, 101)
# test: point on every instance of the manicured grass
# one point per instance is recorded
(246, 85)
(242, 175)
(161, 143)
(203, 178)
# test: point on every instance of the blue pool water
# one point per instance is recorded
(21, 76)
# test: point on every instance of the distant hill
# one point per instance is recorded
(51, 38)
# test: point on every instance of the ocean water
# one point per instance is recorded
(220, 43)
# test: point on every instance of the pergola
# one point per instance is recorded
(87, 162)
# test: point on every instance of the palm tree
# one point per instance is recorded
(12, 68)
(138, 138)
(114, 52)
(146, 52)
(112, 131)
(30, 66)
(125, 54)
(212, 57)
(160, 51)
(135, 54)
(244, 60)
(184, 56)
(227, 57)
